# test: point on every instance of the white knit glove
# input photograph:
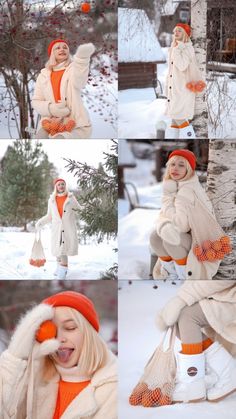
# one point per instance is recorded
(169, 233)
(170, 313)
(85, 50)
(169, 187)
(58, 110)
(23, 339)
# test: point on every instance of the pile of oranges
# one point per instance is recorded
(37, 262)
(145, 397)
(55, 125)
(196, 87)
(213, 250)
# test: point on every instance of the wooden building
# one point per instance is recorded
(139, 50)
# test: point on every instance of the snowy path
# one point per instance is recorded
(138, 338)
(15, 253)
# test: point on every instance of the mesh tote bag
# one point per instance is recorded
(155, 388)
(210, 243)
(37, 254)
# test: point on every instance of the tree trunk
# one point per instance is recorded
(199, 28)
(221, 180)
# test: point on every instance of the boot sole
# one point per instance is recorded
(222, 397)
(189, 401)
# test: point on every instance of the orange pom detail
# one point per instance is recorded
(85, 7)
(46, 331)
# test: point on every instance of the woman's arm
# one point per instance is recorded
(182, 56)
(179, 211)
(81, 65)
(194, 291)
(46, 219)
(40, 104)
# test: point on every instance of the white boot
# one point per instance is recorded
(62, 271)
(190, 384)
(180, 270)
(172, 133)
(221, 367)
(169, 267)
(55, 273)
(187, 133)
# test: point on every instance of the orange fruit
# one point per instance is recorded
(85, 7)
(197, 250)
(220, 255)
(155, 396)
(227, 248)
(136, 396)
(216, 245)
(165, 400)
(206, 244)
(225, 240)
(202, 257)
(147, 399)
(46, 331)
(210, 255)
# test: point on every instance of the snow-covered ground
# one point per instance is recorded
(16, 248)
(139, 112)
(139, 301)
(135, 226)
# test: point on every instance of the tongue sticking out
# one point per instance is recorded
(64, 354)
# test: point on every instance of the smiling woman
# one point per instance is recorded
(70, 373)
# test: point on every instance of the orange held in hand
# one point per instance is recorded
(136, 396)
(46, 331)
(85, 7)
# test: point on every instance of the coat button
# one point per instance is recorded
(172, 62)
(170, 87)
(168, 100)
(189, 273)
(62, 231)
(64, 211)
(170, 75)
(63, 242)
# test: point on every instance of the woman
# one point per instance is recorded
(182, 84)
(187, 233)
(62, 207)
(57, 95)
(205, 315)
(68, 373)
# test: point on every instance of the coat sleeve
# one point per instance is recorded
(12, 384)
(178, 212)
(81, 62)
(193, 291)
(40, 104)
(76, 205)
(182, 56)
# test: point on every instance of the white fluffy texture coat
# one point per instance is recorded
(73, 81)
(182, 69)
(218, 302)
(176, 207)
(64, 240)
(97, 401)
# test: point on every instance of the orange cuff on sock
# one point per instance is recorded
(192, 348)
(184, 124)
(166, 258)
(181, 261)
(206, 343)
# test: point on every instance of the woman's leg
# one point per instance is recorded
(191, 321)
(64, 260)
(181, 251)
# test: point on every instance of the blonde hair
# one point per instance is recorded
(52, 60)
(189, 173)
(186, 38)
(54, 193)
(94, 353)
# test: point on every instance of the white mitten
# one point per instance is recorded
(170, 233)
(169, 186)
(38, 226)
(85, 50)
(58, 110)
(23, 339)
(170, 313)
(161, 325)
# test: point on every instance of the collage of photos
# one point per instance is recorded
(117, 209)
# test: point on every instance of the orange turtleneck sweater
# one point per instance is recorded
(67, 392)
(60, 203)
(56, 77)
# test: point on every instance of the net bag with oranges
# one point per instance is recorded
(209, 241)
(155, 387)
(37, 257)
(55, 126)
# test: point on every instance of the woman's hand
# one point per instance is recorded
(170, 313)
(170, 187)
(168, 232)
(59, 110)
(23, 339)
(85, 50)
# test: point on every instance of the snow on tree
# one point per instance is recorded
(25, 183)
(199, 38)
(221, 180)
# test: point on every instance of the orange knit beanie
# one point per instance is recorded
(185, 27)
(186, 154)
(77, 301)
(52, 43)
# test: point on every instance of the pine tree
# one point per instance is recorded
(98, 194)
(25, 183)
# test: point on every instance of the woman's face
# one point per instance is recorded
(61, 52)
(61, 187)
(177, 168)
(69, 336)
(178, 33)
